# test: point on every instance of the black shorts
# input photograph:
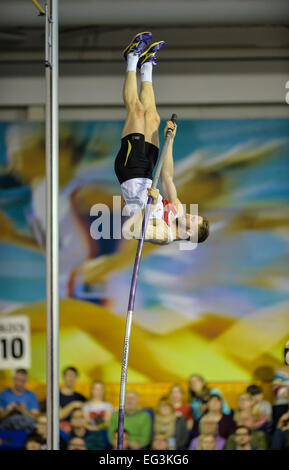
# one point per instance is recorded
(136, 158)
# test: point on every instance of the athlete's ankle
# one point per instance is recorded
(132, 60)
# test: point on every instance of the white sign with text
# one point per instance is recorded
(15, 348)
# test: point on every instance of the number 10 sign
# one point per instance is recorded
(15, 342)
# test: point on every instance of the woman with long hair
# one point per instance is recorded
(199, 394)
(176, 397)
(97, 410)
(173, 427)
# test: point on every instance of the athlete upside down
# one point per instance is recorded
(138, 155)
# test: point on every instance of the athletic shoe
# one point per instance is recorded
(149, 55)
(138, 43)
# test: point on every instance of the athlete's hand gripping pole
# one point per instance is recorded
(133, 291)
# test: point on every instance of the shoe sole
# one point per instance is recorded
(132, 41)
(147, 51)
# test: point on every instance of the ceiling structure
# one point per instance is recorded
(237, 33)
(208, 43)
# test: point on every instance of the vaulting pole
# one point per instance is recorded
(132, 293)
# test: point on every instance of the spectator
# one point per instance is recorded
(33, 442)
(281, 391)
(199, 393)
(41, 430)
(125, 442)
(259, 439)
(77, 443)
(19, 406)
(160, 442)
(98, 411)
(172, 426)
(181, 409)
(207, 442)
(245, 402)
(261, 409)
(69, 399)
(137, 422)
(225, 423)
(208, 428)
(95, 440)
(280, 439)
(41, 426)
(243, 438)
(259, 404)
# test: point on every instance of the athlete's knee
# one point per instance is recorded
(153, 118)
(136, 107)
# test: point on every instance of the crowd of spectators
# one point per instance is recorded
(203, 422)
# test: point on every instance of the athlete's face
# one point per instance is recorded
(192, 224)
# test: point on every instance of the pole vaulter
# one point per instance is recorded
(152, 217)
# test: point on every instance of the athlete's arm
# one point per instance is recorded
(169, 190)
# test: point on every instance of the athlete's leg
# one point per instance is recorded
(151, 116)
(135, 121)
(147, 96)
(135, 111)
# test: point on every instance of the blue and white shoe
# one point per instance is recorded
(149, 55)
(138, 44)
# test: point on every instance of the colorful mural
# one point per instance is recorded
(220, 310)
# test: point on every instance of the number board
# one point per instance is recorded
(15, 348)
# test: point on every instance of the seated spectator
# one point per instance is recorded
(245, 402)
(41, 430)
(69, 399)
(172, 426)
(207, 442)
(199, 393)
(160, 442)
(225, 423)
(281, 391)
(243, 436)
(94, 440)
(208, 428)
(259, 439)
(19, 406)
(77, 443)
(137, 422)
(125, 442)
(176, 397)
(280, 439)
(261, 409)
(98, 411)
(259, 404)
(33, 442)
